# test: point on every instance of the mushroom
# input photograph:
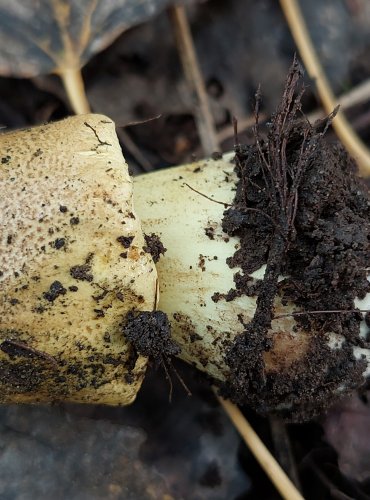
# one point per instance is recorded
(76, 273)
(72, 265)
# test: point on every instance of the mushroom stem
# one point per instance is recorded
(184, 206)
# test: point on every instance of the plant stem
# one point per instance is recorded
(204, 119)
(75, 89)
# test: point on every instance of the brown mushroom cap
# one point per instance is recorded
(72, 265)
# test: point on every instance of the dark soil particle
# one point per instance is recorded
(125, 241)
(301, 210)
(56, 289)
(150, 334)
(154, 246)
(74, 221)
(210, 232)
(216, 155)
(194, 337)
(99, 313)
(21, 377)
(59, 243)
(202, 262)
(83, 272)
(39, 309)
(129, 378)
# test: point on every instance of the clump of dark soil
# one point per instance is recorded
(301, 210)
(150, 334)
(83, 272)
(56, 289)
(154, 246)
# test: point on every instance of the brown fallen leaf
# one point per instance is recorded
(60, 36)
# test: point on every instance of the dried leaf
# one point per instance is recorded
(52, 36)
(60, 36)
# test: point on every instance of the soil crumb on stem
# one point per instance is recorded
(150, 334)
(301, 210)
(154, 246)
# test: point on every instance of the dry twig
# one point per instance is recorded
(312, 63)
(357, 95)
(206, 129)
(133, 149)
(273, 470)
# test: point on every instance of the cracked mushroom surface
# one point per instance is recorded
(72, 264)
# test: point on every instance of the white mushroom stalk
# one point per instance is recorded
(185, 206)
(74, 264)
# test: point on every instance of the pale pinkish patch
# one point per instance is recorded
(347, 429)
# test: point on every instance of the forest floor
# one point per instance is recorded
(188, 448)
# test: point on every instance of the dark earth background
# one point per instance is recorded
(187, 448)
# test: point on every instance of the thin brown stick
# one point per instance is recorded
(333, 311)
(139, 122)
(181, 380)
(31, 350)
(357, 95)
(131, 147)
(271, 467)
(168, 377)
(247, 209)
(185, 45)
(207, 197)
(243, 124)
(345, 133)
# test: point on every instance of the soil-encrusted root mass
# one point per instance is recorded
(301, 210)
